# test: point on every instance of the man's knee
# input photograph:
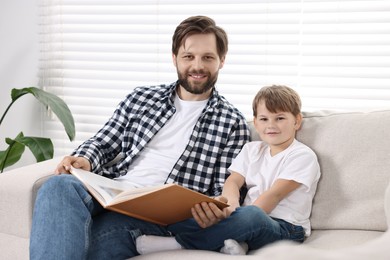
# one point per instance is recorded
(57, 184)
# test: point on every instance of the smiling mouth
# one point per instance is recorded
(197, 76)
(272, 133)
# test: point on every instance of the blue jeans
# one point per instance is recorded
(69, 224)
(248, 224)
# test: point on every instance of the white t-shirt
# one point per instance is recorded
(298, 162)
(156, 161)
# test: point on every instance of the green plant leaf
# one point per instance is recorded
(42, 148)
(13, 153)
(56, 104)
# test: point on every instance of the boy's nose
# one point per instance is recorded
(270, 124)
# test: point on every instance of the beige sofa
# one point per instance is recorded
(351, 209)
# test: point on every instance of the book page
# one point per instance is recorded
(133, 193)
(108, 190)
(105, 187)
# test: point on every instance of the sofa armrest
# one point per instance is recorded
(387, 206)
(18, 189)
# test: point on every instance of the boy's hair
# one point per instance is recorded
(278, 98)
(199, 25)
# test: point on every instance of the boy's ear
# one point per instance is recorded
(298, 121)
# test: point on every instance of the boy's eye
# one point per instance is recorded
(280, 118)
(263, 119)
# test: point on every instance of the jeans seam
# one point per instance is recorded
(87, 235)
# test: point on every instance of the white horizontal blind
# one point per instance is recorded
(336, 54)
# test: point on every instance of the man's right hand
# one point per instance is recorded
(76, 162)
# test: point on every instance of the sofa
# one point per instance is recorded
(351, 209)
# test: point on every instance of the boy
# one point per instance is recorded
(281, 175)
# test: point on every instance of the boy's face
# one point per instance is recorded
(197, 64)
(276, 129)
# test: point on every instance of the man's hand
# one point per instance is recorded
(76, 162)
(208, 214)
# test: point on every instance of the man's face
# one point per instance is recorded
(197, 64)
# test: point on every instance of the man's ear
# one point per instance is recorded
(298, 121)
(174, 60)
(222, 62)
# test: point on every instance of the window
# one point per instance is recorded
(336, 54)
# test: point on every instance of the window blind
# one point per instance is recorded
(336, 54)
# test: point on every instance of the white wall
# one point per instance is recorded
(19, 52)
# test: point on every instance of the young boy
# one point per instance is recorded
(281, 175)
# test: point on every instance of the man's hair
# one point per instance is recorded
(278, 98)
(199, 25)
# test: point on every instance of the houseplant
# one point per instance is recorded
(42, 148)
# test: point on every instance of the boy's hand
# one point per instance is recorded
(207, 214)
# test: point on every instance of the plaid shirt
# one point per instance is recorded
(217, 138)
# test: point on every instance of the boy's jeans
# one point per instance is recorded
(248, 224)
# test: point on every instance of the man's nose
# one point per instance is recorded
(197, 64)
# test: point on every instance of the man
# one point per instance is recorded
(184, 132)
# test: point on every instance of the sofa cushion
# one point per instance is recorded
(354, 155)
(353, 150)
(335, 239)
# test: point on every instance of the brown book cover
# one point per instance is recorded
(164, 204)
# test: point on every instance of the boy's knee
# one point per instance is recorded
(253, 210)
(249, 213)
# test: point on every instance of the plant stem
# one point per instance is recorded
(9, 106)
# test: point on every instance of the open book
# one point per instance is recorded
(164, 204)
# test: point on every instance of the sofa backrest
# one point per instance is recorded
(353, 150)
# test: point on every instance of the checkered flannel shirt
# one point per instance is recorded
(217, 138)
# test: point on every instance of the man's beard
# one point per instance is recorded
(198, 88)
